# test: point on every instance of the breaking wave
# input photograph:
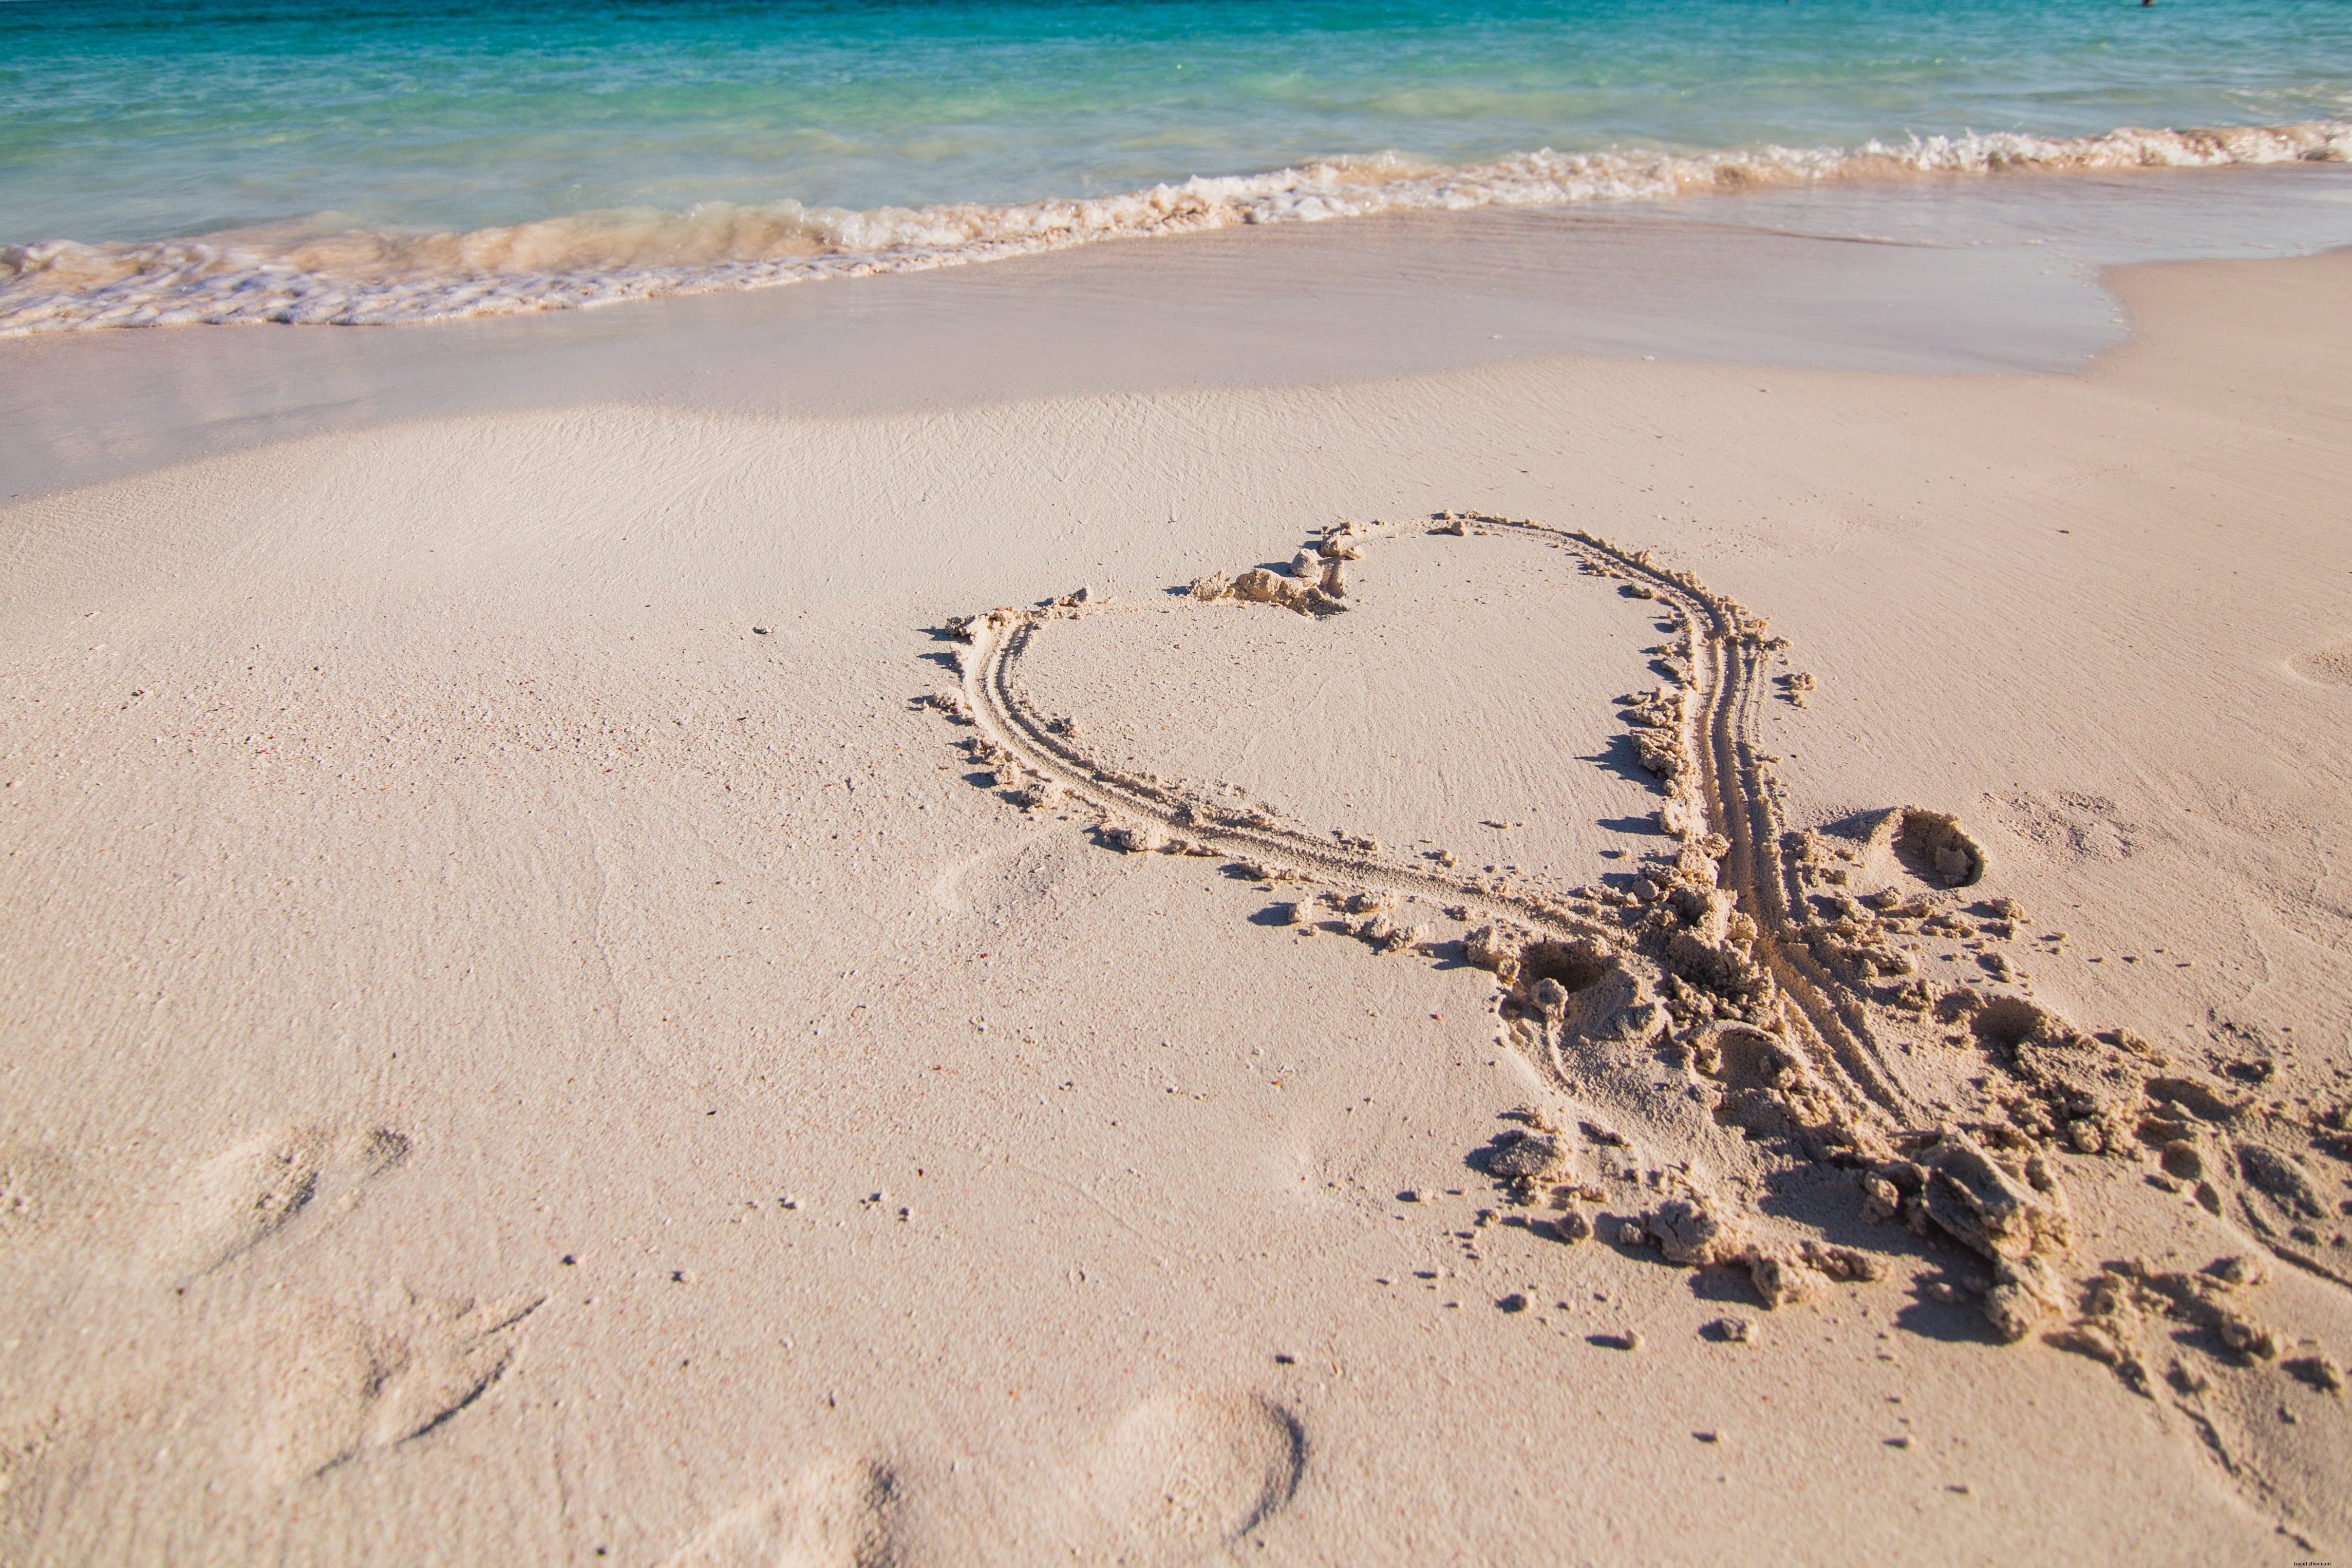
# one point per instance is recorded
(317, 274)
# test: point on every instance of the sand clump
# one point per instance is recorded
(1698, 1229)
(2014, 1215)
(1315, 583)
(1518, 1156)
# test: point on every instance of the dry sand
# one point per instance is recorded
(539, 1026)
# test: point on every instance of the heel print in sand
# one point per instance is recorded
(1180, 1477)
(1755, 1000)
(834, 1515)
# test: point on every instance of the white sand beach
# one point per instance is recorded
(560, 1004)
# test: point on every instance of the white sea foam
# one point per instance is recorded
(360, 278)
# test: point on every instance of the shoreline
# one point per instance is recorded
(288, 273)
(530, 1028)
(2001, 280)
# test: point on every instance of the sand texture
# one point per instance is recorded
(1569, 960)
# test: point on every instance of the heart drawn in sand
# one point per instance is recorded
(1716, 1003)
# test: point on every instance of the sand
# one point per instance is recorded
(572, 993)
(1969, 277)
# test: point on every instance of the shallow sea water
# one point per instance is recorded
(217, 160)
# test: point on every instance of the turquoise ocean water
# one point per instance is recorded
(267, 160)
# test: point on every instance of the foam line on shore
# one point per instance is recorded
(301, 274)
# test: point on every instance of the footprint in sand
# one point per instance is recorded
(242, 1198)
(1183, 1476)
(344, 1385)
(834, 1515)
(227, 1395)
(220, 1414)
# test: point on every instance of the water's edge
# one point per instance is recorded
(370, 277)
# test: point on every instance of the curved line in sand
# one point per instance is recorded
(1725, 677)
